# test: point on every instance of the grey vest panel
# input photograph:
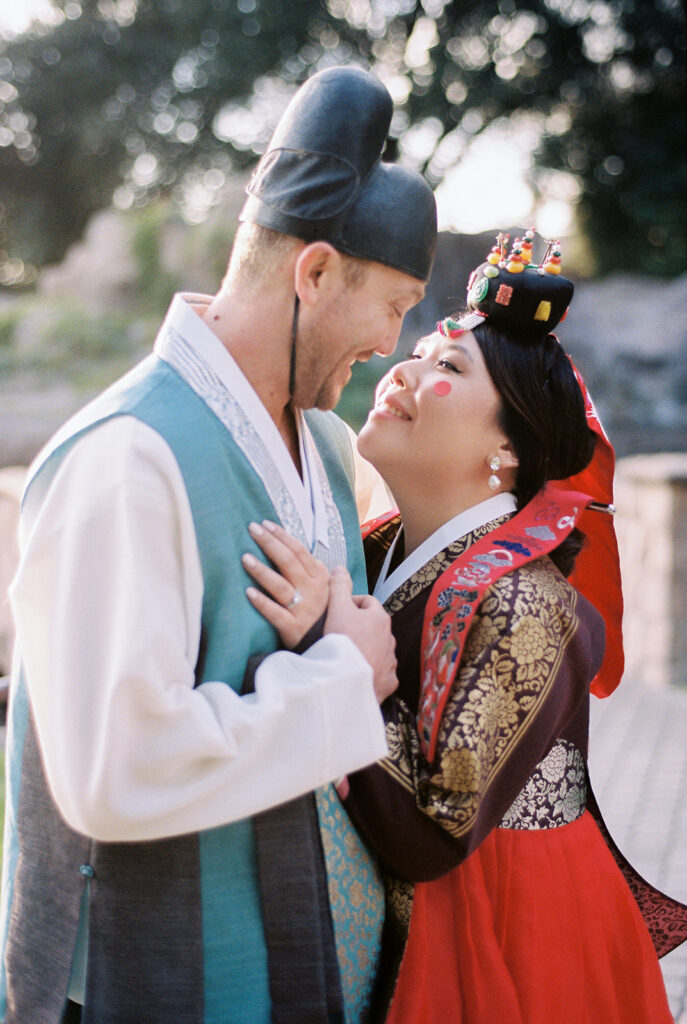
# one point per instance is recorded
(47, 898)
(159, 980)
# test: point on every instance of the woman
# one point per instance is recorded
(505, 903)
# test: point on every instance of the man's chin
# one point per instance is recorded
(329, 396)
(326, 398)
(325, 403)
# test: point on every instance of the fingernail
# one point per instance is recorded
(249, 559)
(269, 526)
(252, 593)
(255, 529)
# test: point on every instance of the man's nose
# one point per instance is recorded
(388, 343)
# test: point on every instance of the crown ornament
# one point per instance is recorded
(512, 291)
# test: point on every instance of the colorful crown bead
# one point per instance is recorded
(513, 292)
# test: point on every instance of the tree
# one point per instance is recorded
(134, 98)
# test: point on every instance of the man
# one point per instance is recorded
(142, 883)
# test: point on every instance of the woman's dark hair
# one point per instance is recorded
(542, 414)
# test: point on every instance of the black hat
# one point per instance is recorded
(514, 293)
(322, 179)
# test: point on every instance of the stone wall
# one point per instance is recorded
(651, 496)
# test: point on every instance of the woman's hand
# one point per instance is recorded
(298, 589)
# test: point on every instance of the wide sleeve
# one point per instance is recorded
(107, 603)
(533, 647)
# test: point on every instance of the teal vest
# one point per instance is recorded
(225, 494)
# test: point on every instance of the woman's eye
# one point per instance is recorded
(448, 365)
(413, 355)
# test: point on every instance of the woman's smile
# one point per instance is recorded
(387, 405)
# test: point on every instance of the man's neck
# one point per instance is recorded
(262, 355)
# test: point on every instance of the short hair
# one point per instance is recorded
(355, 270)
(258, 253)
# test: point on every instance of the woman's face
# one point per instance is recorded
(435, 419)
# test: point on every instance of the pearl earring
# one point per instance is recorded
(494, 464)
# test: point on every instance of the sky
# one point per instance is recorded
(487, 188)
(15, 15)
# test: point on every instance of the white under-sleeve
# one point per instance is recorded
(107, 602)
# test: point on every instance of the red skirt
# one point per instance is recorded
(535, 927)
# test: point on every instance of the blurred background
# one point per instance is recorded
(128, 129)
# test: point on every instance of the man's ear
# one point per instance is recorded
(317, 264)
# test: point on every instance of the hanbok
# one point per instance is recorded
(506, 898)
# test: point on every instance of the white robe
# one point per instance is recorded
(107, 602)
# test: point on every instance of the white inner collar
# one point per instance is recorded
(183, 318)
(465, 522)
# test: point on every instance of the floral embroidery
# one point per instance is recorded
(555, 793)
(464, 583)
(460, 770)
(429, 572)
(511, 659)
(529, 638)
(356, 899)
(399, 904)
(404, 747)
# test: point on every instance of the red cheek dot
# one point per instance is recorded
(442, 388)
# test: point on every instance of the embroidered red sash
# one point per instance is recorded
(531, 533)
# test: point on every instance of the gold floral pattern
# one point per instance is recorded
(460, 769)
(555, 793)
(510, 661)
(399, 904)
(356, 898)
(528, 640)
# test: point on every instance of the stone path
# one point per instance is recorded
(638, 766)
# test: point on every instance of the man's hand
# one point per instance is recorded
(363, 619)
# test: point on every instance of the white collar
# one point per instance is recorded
(182, 319)
(460, 525)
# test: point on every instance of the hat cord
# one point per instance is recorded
(294, 331)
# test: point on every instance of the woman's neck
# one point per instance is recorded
(422, 515)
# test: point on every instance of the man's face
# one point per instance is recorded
(350, 323)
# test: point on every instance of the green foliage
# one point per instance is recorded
(9, 318)
(62, 340)
(76, 337)
(146, 100)
(155, 283)
(358, 395)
